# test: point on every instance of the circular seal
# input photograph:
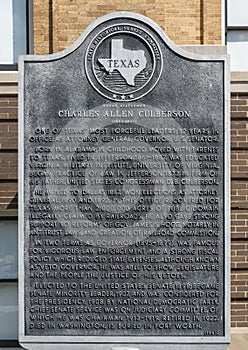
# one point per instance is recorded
(123, 62)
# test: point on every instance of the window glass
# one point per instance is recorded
(8, 249)
(237, 47)
(8, 311)
(237, 13)
(12, 30)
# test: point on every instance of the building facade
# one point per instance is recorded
(48, 26)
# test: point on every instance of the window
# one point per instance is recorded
(237, 34)
(8, 311)
(8, 281)
(237, 13)
(8, 250)
(14, 28)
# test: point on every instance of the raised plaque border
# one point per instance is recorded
(122, 342)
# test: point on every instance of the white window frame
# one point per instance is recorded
(5, 66)
(237, 27)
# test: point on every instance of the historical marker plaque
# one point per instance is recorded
(124, 192)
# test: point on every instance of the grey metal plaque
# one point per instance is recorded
(124, 193)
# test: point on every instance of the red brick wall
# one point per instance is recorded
(8, 152)
(239, 204)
